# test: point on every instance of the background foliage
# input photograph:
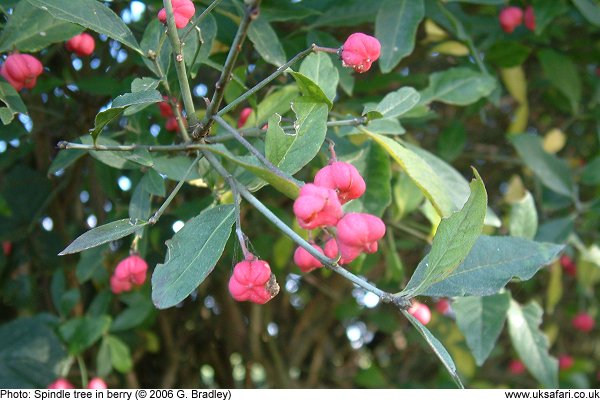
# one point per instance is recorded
(450, 91)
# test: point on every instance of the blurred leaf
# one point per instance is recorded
(174, 167)
(552, 171)
(507, 53)
(13, 102)
(120, 356)
(32, 29)
(348, 13)
(481, 320)
(453, 241)
(154, 183)
(81, 333)
(204, 37)
(492, 263)
(140, 203)
(545, 13)
(419, 171)
(104, 20)
(554, 141)
(64, 159)
(277, 102)
(531, 344)
(310, 90)
(191, 255)
(396, 28)
(458, 86)
(555, 230)
(103, 234)
(562, 73)
(30, 353)
(590, 10)
(452, 141)
(266, 42)
(319, 68)
(103, 360)
(438, 349)
(591, 172)
(451, 48)
(371, 378)
(476, 1)
(554, 291)
(523, 218)
(374, 166)
(134, 315)
(407, 195)
(89, 262)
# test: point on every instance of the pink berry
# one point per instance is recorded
(510, 18)
(253, 281)
(568, 265)
(516, 367)
(343, 178)
(305, 261)
(171, 124)
(529, 18)
(348, 254)
(183, 11)
(21, 70)
(61, 383)
(565, 362)
(97, 383)
(130, 271)
(583, 322)
(165, 107)
(317, 207)
(82, 44)
(360, 51)
(7, 248)
(443, 306)
(360, 231)
(421, 312)
(244, 114)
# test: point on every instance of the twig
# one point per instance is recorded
(236, 47)
(399, 301)
(252, 149)
(200, 18)
(130, 147)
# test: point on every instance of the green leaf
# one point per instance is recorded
(103, 360)
(458, 86)
(481, 320)
(531, 344)
(291, 152)
(507, 53)
(552, 171)
(374, 166)
(138, 311)
(310, 90)
(32, 29)
(453, 241)
(453, 183)
(120, 356)
(523, 218)
(419, 171)
(30, 353)
(140, 203)
(318, 68)
(396, 28)
(278, 102)
(396, 103)
(206, 37)
(191, 255)
(266, 42)
(120, 104)
(476, 1)
(154, 183)
(546, 12)
(65, 159)
(115, 159)
(13, 102)
(150, 41)
(348, 13)
(93, 15)
(89, 263)
(492, 263)
(589, 10)
(174, 168)
(103, 234)
(437, 348)
(591, 172)
(288, 187)
(563, 74)
(81, 333)
(452, 141)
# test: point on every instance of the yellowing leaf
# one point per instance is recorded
(433, 32)
(451, 48)
(554, 140)
(516, 190)
(515, 82)
(555, 288)
(519, 120)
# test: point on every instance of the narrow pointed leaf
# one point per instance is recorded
(103, 234)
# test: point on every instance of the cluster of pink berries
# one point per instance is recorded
(511, 17)
(183, 11)
(130, 272)
(62, 383)
(167, 111)
(319, 205)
